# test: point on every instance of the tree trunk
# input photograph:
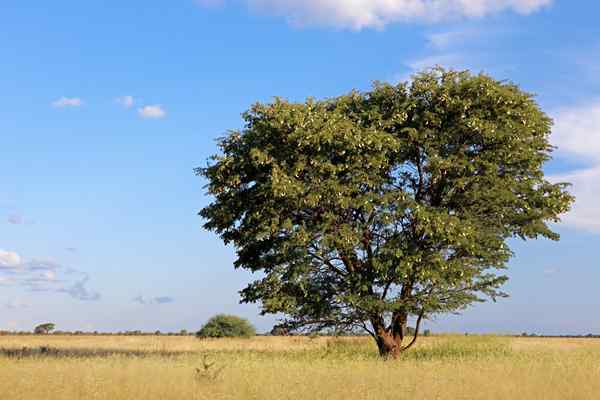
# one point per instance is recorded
(389, 340)
(390, 346)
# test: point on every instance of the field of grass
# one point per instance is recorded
(185, 368)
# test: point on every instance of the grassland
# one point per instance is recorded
(182, 368)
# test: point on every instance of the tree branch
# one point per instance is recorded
(417, 326)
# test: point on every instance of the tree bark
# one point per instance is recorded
(389, 346)
(389, 340)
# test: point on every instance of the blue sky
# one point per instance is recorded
(106, 108)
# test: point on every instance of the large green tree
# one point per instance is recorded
(368, 209)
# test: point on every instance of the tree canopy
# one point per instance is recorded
(223, 325)
(44, 329)
(369, 208)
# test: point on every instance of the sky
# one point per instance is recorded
(107, 107)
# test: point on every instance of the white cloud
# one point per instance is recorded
(125, 101)
(576, 133)
(67, 102)
(9, 259)
(586, 189)
(152, 112)
(359, 14)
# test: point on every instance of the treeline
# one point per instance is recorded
(96, 333)
(182, 333)
(535, 335)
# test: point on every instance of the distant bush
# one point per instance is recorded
(279, 330)
(223, 325)
(44, 329)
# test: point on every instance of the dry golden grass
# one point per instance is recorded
(447, 367)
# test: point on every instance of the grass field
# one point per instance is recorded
(181, 368)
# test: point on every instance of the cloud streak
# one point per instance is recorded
(15, 219)
(67, 102)
(152, 112)
(153, 300)
(125, 101)
(360, 14)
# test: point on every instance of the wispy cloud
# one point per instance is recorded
(360, 14)
(210, 3)
(7, 280)
(454, 38)
(551, 271)
(125, 101)
(472, 47)
(451, 60)
(153, 300)
(80, 291)
(15, 219)
(67, 102)
(38, 275)
(152, 112)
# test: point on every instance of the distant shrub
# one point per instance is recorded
(44, 329)
(279, 330)
(223, 325)
(426, 332)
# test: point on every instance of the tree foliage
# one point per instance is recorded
(226, 326)
(369, 208)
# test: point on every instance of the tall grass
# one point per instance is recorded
(149, 368)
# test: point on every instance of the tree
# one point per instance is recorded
(223, 325)
(372, 208)
(44, 329)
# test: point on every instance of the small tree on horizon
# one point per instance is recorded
(368, 209)
(44, 329)
(223, 325)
